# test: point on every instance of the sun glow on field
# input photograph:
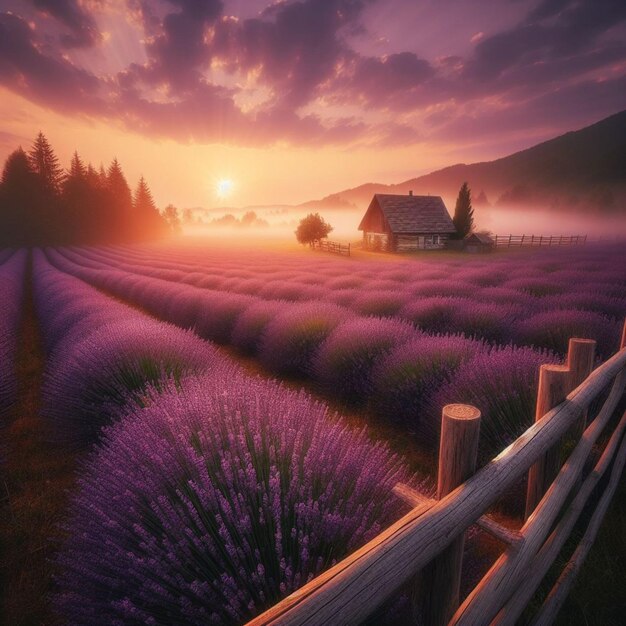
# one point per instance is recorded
(224, 188)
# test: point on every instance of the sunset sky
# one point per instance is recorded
(297, 99)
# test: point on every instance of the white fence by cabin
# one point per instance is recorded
(429, 539)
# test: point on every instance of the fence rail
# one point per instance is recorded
(331, 246)
(429, 538)
(523, 241)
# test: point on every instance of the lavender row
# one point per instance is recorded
(595, 269)
(594, 263)
(12, 273)
(102, 354)
(517, 311)
(384, 364)
(215, 502)
(586, 271)
(211, 494)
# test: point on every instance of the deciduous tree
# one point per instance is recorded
(312, 228)
(170, 215)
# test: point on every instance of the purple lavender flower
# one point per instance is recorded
(292, 338)
(103, 354)
(218, 313)
(344, 362)
(413, 370)
(586, 301)
(536, 286)
(249, 326)
(442, 287)
(489, 320)
(434, 313)
(87, 383)
(381, 302)
(502, 383)
(553, 329)
(217, 500)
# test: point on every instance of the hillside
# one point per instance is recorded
(580, 170)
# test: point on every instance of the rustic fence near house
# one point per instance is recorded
(522, 241)
(331, 246)
(429, 539)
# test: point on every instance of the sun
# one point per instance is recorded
(224, 188)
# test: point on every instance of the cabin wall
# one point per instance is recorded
(407, 243)
(376, 241)
(374, 220)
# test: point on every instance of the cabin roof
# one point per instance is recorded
(481, 237)
(413, 214)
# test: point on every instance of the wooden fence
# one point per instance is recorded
(522, 241)
(429, 539)
(331, 246)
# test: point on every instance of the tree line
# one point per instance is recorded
(43, 204)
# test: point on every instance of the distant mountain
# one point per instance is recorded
(582, 170)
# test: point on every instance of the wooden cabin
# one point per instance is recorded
(479, 242)
(397, 223)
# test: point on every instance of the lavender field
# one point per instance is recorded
(235, 413)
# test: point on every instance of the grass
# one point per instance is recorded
(598, 597)
(36, 479)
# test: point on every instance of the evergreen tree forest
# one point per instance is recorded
(43, 204)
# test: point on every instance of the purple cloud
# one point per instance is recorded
(82, 26)
(210, 76)
(51, 81)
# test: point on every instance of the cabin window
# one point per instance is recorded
(428, 240)
(436, 240)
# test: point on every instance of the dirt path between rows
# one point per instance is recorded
(36, 477)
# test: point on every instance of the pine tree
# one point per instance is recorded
(20, 201)
(97, 220)
(92, 176)
(148, 220)
(104, 181)
(77, 169)
(117, 184)
(463, 212)
(45, 163)
(120, 202)
(143, 201)
(76, 201)
(16, 168)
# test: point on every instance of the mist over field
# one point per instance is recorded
(281, 222)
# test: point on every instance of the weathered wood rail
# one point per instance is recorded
(523, 241)
(428, 540)
(331, 246)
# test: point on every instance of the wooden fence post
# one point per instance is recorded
(458, 449)
(580, 357)
(554, 385)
